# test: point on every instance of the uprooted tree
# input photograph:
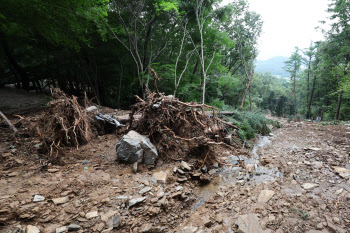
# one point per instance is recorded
(182, 130)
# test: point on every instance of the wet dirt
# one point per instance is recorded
(292, 183)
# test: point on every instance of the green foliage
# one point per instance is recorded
(251, 123)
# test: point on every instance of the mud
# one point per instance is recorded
(297, 165)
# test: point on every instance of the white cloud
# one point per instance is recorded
(288, 23)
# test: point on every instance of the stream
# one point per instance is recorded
(229, 175)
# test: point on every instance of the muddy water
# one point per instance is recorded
(228, 176)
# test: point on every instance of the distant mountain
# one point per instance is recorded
(273, 65)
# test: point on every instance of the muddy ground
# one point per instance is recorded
(296, 181)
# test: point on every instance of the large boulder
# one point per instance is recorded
(134, 147)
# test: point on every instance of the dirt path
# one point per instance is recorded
(19, 101)
(294, 187)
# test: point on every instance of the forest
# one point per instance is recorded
(202, 51)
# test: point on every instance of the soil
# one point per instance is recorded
(291, 184)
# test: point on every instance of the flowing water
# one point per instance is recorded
(227, 176)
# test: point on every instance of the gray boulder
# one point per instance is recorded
(134, 147)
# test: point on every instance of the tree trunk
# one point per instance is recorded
(250, 99)
(307, 89)
(12, 61)
(295, 98)
(311, 96)
(246, 91)
(339, 104)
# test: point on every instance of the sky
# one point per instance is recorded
(288, 23)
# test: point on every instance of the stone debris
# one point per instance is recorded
(250, 223)
(38, 198)
(135, 201)
(13, 174)
(265, 196)
(114, 221)
(92, 214)
(185, 166)
(60, 200)
(146, 227)
(74, 227)
(32, 229)
(189, 229)
(134, 147)
(342, 172)
(309, 186)
(145, 190)
(160, 177)
(61, 229)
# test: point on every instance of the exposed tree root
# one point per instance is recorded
(66, 123)
(182, 130)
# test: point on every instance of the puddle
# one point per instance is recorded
(230, 175)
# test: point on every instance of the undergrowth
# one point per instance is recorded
(252, 123)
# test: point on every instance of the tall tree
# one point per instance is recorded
(293, 66)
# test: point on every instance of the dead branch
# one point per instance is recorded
(8, 122)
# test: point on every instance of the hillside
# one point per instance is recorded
(273, 65)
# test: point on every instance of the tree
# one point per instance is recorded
(293, 66)
(309, 53)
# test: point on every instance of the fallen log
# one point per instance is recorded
(8, 122)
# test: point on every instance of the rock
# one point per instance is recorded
(181, 179)
(333, 227)
(146, 227)
(317, 164)
(339, 191)
(12, 174)
(121, 197)
(204, 178)
(73, 227)
(32, 229)
(319, 226)
(134, 201)
(38, 198)
(61, 229)
(185, 166)
(60, 200)
(250, 223)
(105, 217)
(134, 147)
(189, 229)
(145, 190)
(107, 230)
(91, 108)
(265, 196)
(219, 218)
(92, 214)
(53, 170)
(342, 172)
(179, 188)
(134, 167)
(213, 171)
(114, 221)
(308, 186)
(160, 177)
(99, 227)
(206, 221)
(250, 167)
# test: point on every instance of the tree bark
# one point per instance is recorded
(246, 91)
(311, 96)
(339, 104)
(307, 89)
(295, 98)
(8, 122)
